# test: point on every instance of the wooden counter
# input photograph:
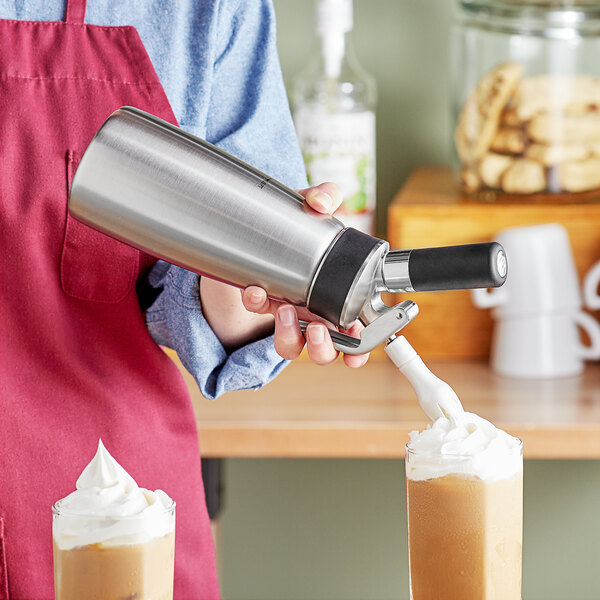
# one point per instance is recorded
(336, 412)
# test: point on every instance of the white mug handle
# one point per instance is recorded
(592, 328)
(590, 288)
(482, 298)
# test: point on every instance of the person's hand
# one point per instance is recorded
(289, 341)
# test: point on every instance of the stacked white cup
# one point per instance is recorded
(538, 310)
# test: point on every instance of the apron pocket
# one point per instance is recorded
(3, 570)
(94, 266)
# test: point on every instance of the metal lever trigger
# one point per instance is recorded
(376, 332)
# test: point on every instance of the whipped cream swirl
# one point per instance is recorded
(109, 507)
(464, 444)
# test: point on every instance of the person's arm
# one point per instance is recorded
(206, 322)
(176, 320)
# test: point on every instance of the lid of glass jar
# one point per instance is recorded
(556, 13)
(554, 4)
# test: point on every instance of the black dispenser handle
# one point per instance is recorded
(458, 267)
(446, 268)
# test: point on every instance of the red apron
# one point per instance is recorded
(76, 359)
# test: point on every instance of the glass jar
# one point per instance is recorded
(465, 526)
(526, 98)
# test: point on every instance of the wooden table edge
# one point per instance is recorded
(376, 442)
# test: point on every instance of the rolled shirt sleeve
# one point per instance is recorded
(176, 320)
(249, 117)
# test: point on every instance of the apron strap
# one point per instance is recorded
(75, 11)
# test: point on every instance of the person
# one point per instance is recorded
(82, 314)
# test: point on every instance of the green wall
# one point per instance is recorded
(335, 530)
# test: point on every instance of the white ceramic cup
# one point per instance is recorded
(542, 277)
(591, 297)
(544, 346)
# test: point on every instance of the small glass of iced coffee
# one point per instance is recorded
(112, 539)
(465, 511)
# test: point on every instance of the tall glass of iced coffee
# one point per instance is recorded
(464, 480)
(112, 539)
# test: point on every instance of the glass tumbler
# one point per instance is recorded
(464, 532)
(113, 558)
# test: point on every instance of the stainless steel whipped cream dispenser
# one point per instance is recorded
(168, 193)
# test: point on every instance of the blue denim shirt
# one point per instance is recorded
(218, 63)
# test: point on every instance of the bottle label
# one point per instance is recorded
(341, 148)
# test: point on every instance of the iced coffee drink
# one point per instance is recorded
(112, 539)
(465, 495)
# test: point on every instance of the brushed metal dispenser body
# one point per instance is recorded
(151, 185)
